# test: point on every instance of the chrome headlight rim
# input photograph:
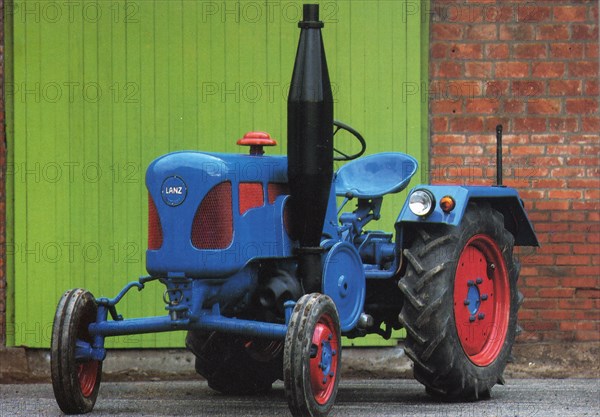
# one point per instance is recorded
(425, 206)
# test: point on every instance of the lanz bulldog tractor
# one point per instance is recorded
(266, 272)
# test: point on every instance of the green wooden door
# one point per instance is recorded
(98, 89)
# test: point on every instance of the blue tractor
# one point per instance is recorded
(266, 272)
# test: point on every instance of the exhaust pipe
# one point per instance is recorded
(310, 146)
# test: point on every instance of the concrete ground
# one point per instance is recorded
(356, 398)
(536, 360)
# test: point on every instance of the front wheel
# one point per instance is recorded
(461, 304)
(75, 382)
(312, 356)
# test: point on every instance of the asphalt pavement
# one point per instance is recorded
(356, 398)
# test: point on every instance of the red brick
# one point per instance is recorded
(497, 89)
(564, 149)
(577, 325)
(586, 249)
(572, 260)
(452, 139)
(527, 150)
(584, 282)
(516, 32)
(527, 88)
(566, 50)
(445, 32)
(514, 106)
(548, 69)
(563, 124)
(446, 106)
(530, 124)
(532, 13)
(593, 293)
(531, 51)
(548, 139)
(495, 13)
(589, 161)
(439, 124)
(556, 292)
(482, 105)
(565, 194)
(497, 51)
(586, 335)
(565, 237)
(583, 69)
(543, 106)
(466, 124)
(478, 69)
(552, 205)
(437, 50)
(590, 124)
(564, 87)
(576, 304)
(584, 32)
(512, 69)
(552, 32)
(592, 50)
(481, 32)
(592, 88)
(448, 69)
(582, 106)
(466, 51)
(540, 304)
(570, 13)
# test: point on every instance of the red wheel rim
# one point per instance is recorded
(87, 373)
(324, 355)
(481, 300)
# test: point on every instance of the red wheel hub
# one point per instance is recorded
(324, 353)
(87, 373)
(481, 300)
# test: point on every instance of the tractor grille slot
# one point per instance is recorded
(274, 190)
(251, 196)
(213, 223)
(155, 236)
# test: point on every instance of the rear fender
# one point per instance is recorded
(504, 199)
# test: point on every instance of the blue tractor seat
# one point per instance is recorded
(375, 175)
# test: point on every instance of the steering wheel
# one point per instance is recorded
(363, 145)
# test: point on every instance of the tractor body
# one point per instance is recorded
(268, 260)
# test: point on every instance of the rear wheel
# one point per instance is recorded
(312, 356)
(234, 365)
(461, 304)
(75, 382)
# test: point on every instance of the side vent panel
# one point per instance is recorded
(213, 223)
(155, 236)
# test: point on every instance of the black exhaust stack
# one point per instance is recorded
(310, 146)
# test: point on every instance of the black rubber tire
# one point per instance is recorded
(75, 384)
(432, 342)
(233, 365)
(300, 352)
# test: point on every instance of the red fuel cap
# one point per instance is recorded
(256, 141)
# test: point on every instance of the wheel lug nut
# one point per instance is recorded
(471, 319)
(470, 283)
(333, 352)
(467, 302)
(492, 266)
(481, 316)
(484, 297)
(330, 337)
(325, 380)
(478, 280)
(331, 374)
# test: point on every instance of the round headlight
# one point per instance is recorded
(421, 203)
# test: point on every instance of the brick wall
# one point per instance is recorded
(2, 187)
(532, 66)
